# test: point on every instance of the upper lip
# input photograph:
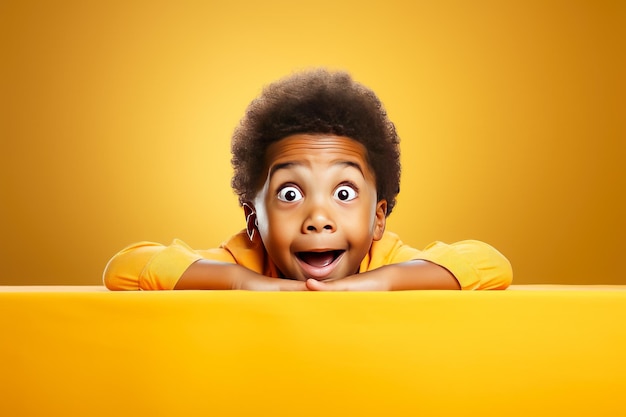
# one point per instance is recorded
(319, 250)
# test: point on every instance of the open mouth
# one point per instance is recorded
(319, 259)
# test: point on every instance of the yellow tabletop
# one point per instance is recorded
(528, 351)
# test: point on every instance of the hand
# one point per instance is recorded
(367, 281)
(256, 282)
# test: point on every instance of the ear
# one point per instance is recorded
(251, 221)
(381, 219)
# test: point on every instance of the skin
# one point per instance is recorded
(317, 214)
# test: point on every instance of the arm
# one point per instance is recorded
(467, 265)
(211, 275)
(411, 275)
(152, 266)
(148, 266)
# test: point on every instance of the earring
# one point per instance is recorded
(251, 229)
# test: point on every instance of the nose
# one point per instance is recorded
(319, 220)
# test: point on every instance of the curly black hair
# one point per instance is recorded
(316, 102)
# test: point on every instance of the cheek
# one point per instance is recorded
(360, 223)
(371, 215)
(274, 230)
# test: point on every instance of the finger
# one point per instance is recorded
(273, 284)
(289, 285)
(315, 285)
(359, 282)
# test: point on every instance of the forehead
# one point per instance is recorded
(306, 147)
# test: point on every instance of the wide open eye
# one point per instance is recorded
(345, 193)
(289, 194)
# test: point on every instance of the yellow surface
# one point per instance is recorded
(115, 120)
(84, 351)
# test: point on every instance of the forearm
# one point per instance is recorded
(418, 275)
(212, 275)
(411, 275)
(208, 275)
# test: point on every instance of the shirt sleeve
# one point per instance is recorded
(476, 265)
(153, 266)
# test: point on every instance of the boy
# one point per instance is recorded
(317, 170)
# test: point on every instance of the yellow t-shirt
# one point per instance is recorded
(152, 266)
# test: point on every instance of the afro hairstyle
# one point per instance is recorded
(316, 102)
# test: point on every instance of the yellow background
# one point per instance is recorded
(116, 119)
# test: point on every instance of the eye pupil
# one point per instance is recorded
(343, 195)
(290, 195)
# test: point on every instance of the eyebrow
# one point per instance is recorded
(289, 164)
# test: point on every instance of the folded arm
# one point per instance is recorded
(152, 266)
(210, 275)
(411, 275)
(466, 265)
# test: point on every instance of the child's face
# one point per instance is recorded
(317, 210)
